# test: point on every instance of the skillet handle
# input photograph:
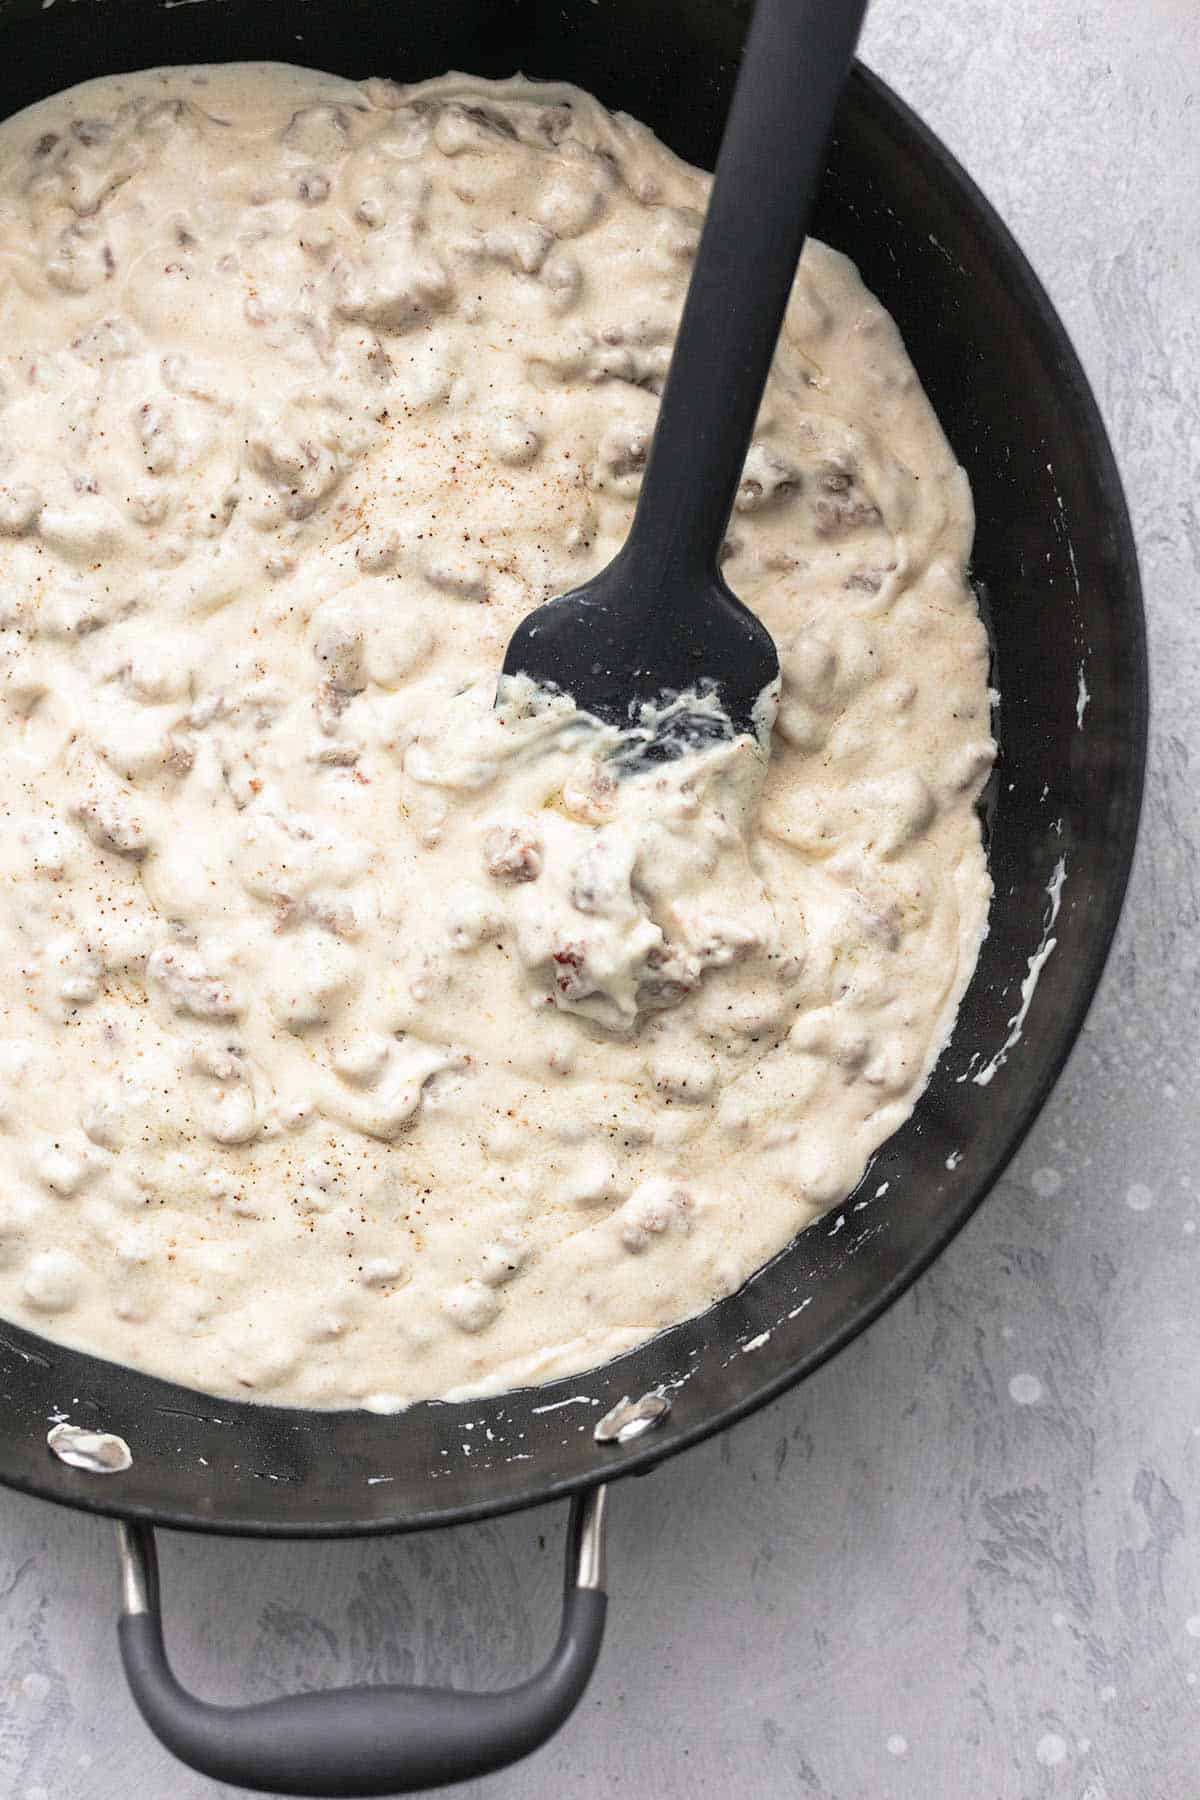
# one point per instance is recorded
(363, 1740)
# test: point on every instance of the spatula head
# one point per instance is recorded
(687, 670)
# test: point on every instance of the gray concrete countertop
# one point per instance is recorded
(965, 1558)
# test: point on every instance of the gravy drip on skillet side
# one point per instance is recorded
(360, 1043)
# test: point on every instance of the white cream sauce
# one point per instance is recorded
(360, 1043)
(95, 1452)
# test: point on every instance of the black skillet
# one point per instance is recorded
(1055, 562)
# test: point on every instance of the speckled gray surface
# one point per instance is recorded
(965, 1558)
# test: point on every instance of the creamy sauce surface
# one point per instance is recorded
(358, 1042)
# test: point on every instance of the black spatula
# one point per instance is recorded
(659, 621)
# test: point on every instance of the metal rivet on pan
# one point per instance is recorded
(629, 1418)
(96, 1452)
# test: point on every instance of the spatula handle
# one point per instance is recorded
(795, 63)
